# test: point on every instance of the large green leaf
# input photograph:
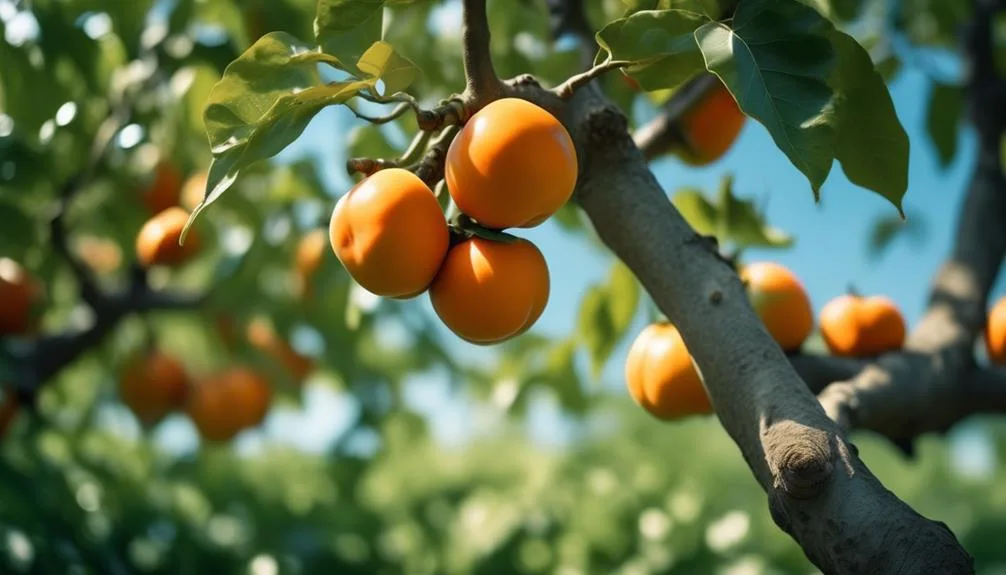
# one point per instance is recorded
(776, 61)
(347, 28)
(263, 103)
(871, 145)
(943, 120)
(713, 9)
(660, 43)
(380, 61)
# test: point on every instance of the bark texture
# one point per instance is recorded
(819, 491)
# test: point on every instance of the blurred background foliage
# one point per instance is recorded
(85, 489)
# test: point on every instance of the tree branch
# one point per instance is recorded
(662, 134)
(819, 491)
(431, 167)
(480, 75)
(391, 116)
(932, 384)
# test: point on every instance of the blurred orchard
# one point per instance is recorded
(239, 404)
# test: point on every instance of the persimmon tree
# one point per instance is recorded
(791, 66)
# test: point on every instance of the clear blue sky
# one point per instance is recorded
(831, 252)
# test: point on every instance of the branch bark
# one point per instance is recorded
(934, 382)
(819, 491)
(480, 74)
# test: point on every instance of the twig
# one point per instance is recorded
(574, 83)
(480, 75)
(431, 168)
(368, 166)
(663, 132)
(391, 116)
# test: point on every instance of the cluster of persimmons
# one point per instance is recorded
(512, 165)
(661, 375)
(153, 383)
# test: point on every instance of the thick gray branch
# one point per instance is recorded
(819, 491)
(932, 384)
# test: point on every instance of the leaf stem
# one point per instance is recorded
(574, 83)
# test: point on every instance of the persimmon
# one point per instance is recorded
(710, 127)
(661, 377)
(995, 333)
(264, 338)
(781, 302)
(489, 291)
(862, 326)
(157, 242)
(100, 254)
(512, 165)
(228, 402)
(390, 234)
(19, 294)
(309, 257)
(210, 410)
(194, 190)
(152, 385)
(165, 189)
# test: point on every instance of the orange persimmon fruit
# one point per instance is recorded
(152, 385)
(512, 165)
(390, 234)
(781, 302)
(489, 291)
(661, 377)
(853, 325)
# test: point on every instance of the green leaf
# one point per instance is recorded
(263, 103)
(368, 141)
(347, 28)
(29, 91)
(871, 145)
(623, 293)
(741, 224)
(729, 218)
(1002, 151)
(660, 43)
(943, 120)
(18, 230)
(606, 312)
(697, 210)
(713, 9)
(887, 229)
(381, 62)
(269, 71)
(776, 61)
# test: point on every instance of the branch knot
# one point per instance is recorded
(800, 457)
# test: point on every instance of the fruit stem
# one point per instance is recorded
(468, 226)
